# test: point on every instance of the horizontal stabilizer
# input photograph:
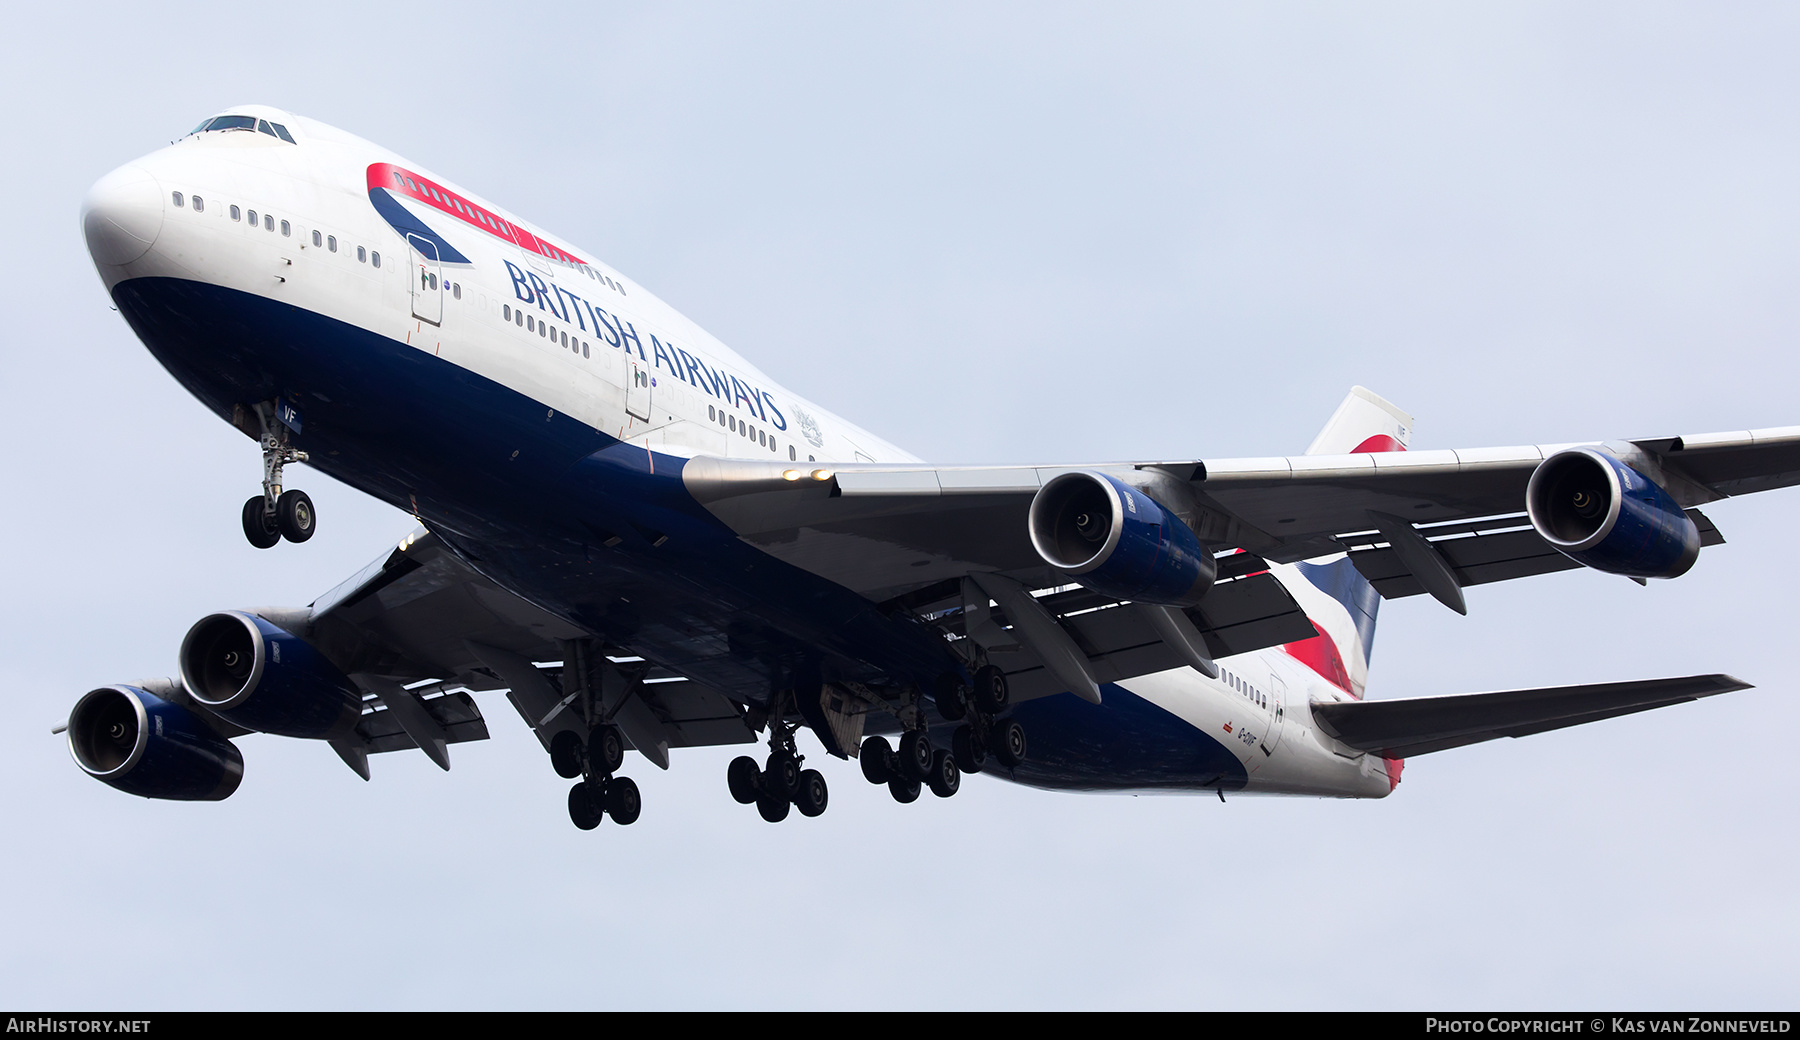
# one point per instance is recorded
(1412, 726)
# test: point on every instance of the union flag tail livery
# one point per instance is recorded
(642, 544)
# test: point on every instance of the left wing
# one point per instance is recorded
(418, 628)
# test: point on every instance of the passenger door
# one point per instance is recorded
(638, 384)
(427, 281)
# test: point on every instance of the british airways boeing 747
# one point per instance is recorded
(646, 543)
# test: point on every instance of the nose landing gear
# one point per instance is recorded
(276, 514)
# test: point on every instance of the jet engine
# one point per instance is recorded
(1603, 514)
(1114, 539)
(262, 677)
(135, 741)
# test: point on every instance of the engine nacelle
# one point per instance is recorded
(135, 741)
(262, 677)
(1116, 540)
(1603, 514)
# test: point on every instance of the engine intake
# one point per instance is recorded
(263, 677)
(1114, 539)
(1603, 514)
(131, 739)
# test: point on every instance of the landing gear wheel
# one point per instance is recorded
(915, 755)
(952, 697)
(773, 807)
(945, 777)
(813, 795)
(565, 754)
(623, 803)
(782, 777)
(903, 790)
(990, 690)
(294, 516)
(877, 760)
(582, 810)
(968, 750)
(744, 779)
(259, 526)
(1009, 742)
(605, 750)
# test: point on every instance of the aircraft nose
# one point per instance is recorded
(122, 214)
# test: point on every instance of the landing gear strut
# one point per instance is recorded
(780, 784)
(595, 758)
(277, 514)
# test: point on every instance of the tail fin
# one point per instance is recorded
(1364, 422)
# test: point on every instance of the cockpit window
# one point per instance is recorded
(275, 130)
(230, 123)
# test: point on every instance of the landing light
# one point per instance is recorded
(821, 474)
(791, 474)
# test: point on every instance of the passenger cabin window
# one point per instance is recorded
(362, 255)
(236, 214)
(269, 222)
(253, 218)
(331, 242)
(375, 259)
(287, 230)
(177, 197)
(318, 240)
(199, 204)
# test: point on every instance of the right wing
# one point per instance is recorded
(888, 530)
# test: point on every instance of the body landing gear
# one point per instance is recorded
(981, 737)
(278, 514)
(780, 784)
(599, 794)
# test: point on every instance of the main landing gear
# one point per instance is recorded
(917, 764)
(599, 793)
(780, 784)
(276, 514)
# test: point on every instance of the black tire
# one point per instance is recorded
(990, 694)
(915, 756)
(773, 807)
(952, 697)
(605, 750)
(813, 796)
(259, 526)
(295, 517)
(970, 753)
(903, 790)
(1009, 742)
(946, 779)
(582, 810)
(623, 802)
(781, 777)
(744, 779)
(565, 754)
(874, 758)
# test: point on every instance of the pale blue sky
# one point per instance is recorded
(987, 232)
